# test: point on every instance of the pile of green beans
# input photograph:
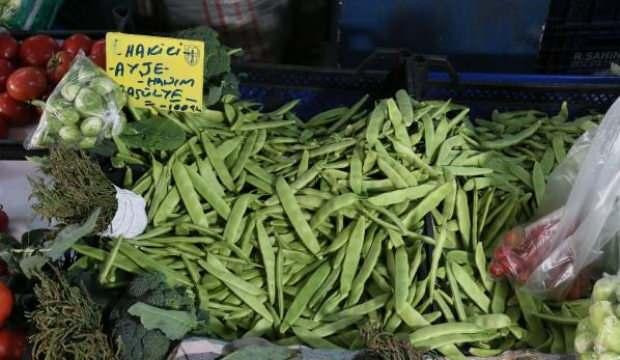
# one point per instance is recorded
(304, 231)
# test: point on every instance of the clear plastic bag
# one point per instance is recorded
(580, 215)
(85, 107)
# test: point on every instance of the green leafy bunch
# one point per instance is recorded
(151, 316)
(218, 78)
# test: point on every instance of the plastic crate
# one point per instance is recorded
(484, 92)
(583, 11)
(580, 36)
(317, 89)
(320, 90)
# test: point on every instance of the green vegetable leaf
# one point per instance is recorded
(31, 264)
(153, 134)
(218, 78)
(71, 234)
(175, 324)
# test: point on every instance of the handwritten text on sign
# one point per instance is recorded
(154, 71)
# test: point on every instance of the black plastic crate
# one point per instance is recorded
(580, 36)
(579, 48)
(583, 11)
(321, 89)
(484, 93)
(317, 89)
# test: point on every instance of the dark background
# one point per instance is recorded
(476, 35)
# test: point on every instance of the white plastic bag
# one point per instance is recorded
(85, 107)
(580, 215)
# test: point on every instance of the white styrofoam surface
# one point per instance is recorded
(14, 192)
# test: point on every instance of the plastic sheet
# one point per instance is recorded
(552, 256)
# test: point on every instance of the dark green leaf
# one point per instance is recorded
(105, 148)
(31, 264)
(175, 324)
(71, 234)
(153, 134)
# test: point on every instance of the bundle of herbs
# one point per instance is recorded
(67, 323)
(72, 187)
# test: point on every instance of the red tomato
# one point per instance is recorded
(8, 47)
(4, 134)
(6, 303)
(4, 218)
(6, 68)
(97, 53)
(12, 345)
(58, 66)
(26, 83)
(76, 42)
(37, 50)
(17, 112)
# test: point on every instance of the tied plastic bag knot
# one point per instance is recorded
(554, 255)
(130, 218)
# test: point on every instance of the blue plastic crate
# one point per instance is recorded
(485, 92)
(317, 89)
(320, 90)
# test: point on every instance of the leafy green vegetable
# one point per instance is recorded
(152, 134)
(174, 323)
(63, 241)
(138, 343)
(151, 288)
(219, 80)
(30, 265)
(71, 234)
(150, 314)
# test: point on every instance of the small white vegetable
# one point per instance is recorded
(68, 116)
(91, 126)
(89, 103)
(88, 142)
(608, 339)
(70, 90)
(102, 85)
(605, 289)
(599, 311)
(584, 342)
(69, 133)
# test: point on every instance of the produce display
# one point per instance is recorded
(369, 226)
(304, 231)
(30, 69)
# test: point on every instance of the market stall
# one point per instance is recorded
(328, 209)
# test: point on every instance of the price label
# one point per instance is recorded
(164, 73)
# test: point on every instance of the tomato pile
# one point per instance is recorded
(12, 342)
(31, 69)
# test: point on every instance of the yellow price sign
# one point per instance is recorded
(164, 73)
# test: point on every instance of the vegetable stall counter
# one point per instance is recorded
(302, 223)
